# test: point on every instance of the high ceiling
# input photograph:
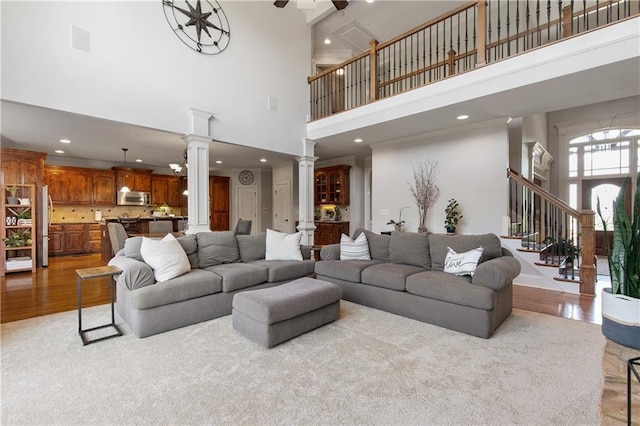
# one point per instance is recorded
(96, 140)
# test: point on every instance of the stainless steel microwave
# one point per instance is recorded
(134, 198)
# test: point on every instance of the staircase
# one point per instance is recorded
(554, 243)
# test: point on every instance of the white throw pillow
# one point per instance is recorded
(281, 246)
(354, 250)
(462, 263)
(166, 257)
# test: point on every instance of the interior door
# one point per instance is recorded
(247, 205)
(607, 190)
(282, 207)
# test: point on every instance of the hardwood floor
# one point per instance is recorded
(53, 289)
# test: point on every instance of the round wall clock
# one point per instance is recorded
(246, 177)
(201, 25)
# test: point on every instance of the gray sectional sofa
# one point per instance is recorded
(406, 276)
(222, 265)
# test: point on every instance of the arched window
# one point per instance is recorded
(605, 152)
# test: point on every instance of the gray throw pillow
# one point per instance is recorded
(252, 247)
(439, 246)
(410, 248)
(190, 246)
(215, 248)
(132, 248)
(378, 244)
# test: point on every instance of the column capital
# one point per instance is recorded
(306, 158)
(196, 138)
(199, 120)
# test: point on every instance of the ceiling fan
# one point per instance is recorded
(339, 4)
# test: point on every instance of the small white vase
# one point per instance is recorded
(621, 318)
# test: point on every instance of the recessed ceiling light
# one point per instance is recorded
(327, 41)
(138, 160)
(358, 140)
(65, 141)
(263, 160)
(370, 1)
(218, 161)
(340, 71)
(59, 151)
(462, 117)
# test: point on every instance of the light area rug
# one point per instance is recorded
(369, 367)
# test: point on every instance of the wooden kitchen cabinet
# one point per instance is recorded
(329, 232)
(104, 187)
(74, 186)
(95, 237)
(332, 185)
(79, 186)
(135, 179)
(56, 240)
(74, 238)
(166, 190)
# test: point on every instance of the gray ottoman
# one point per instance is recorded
(272, 315)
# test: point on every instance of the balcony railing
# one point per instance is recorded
(468, 37)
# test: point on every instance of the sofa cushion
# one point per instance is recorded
(378, 244)
(462, 263)
(166, 257)
(410, 248)
(252, 247)
(389, 275)
(132, 248)
(190, 246)
(439, 246)
(195, 283)
(285, 270)
(236, 276)
(215, 248)
(451, 288)
(347, 271)
(357, 249)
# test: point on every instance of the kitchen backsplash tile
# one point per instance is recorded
(87, 214)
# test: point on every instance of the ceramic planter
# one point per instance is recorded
(621, 318)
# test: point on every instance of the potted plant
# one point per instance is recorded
(398, 225)
(621, 302)
(13, 192)
(18, 239)
(452, 216)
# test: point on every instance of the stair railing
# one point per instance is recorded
(473, 35)
(564, 236)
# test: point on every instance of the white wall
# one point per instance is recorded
(139, 72)
(472, 169)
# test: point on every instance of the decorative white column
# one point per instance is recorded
(306, 191)
(198, 171)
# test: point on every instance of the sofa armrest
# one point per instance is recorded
(497, 273)
(330, 252)
(306, 252)
(135, 274)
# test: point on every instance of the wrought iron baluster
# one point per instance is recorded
(548, 21)
(489, 31)
(559, 26)
(430, 55)
(498, 39)
(474, 44)
(517, 27)
(539, 40)
(508, 29)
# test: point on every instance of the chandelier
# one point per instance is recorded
(180, 169)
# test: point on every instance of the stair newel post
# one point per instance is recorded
(373, 71)
(481, 47)
(587, 267)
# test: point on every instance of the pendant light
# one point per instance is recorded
(125, 188)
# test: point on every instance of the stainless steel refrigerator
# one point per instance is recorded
(47, 213)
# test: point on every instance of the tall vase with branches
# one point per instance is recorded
(424, 189)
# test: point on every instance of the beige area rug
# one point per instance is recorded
(369, 367)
